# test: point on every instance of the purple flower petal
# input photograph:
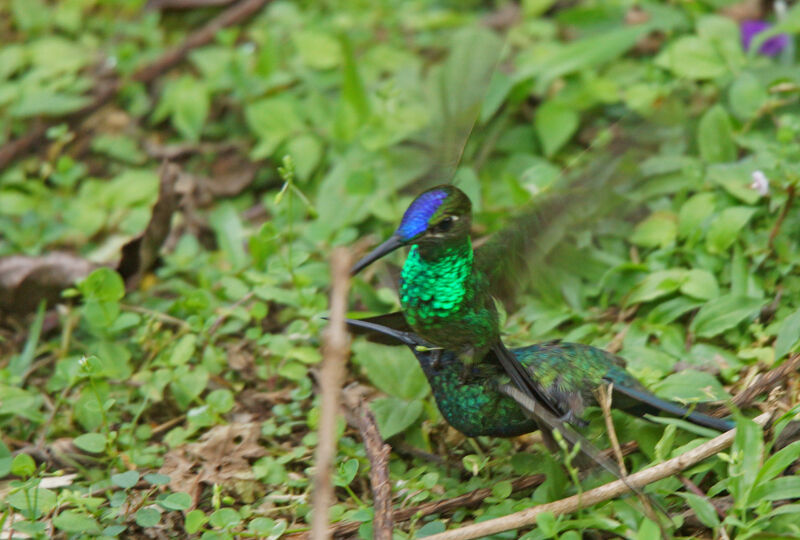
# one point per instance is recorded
(772, 47)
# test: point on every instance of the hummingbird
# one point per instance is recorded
(569, 372)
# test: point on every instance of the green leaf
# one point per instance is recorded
(723, 313)
(103, 284)
(20, 363)
(778, 462)
(346, 473)
(317, 50)
(785, 487)
(23, 465)
(220, 400)
(394, 415)
(177, 501)
(125, 480)
(690, 385)
(748, 446)
(273, 120)
(700, 284)
(715, 136)
(195, 520)
(788, 335)
(555, 125)
(660, 229)
(746, 96)
(703, 509)
(91, 442)
(32, 502)
(230, 234)
(392, 370)
(691, 57)
(694, 212)
(147, 517)
(657, 284)
(46, 103)
(224, 518)
(267, 528)
(73, 521)
(724, 229)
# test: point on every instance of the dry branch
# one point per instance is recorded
(231, 16)
(378, 453)
(336, 350)
(605, 492)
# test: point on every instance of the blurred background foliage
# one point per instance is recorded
(310, 124)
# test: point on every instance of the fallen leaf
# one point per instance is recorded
(140, 254)
(26, 280)
(221, 456)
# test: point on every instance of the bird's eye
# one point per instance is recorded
(445, 224)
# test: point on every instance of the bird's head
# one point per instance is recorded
(437, 215)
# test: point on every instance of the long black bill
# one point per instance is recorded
(387, 247)
(406, 338)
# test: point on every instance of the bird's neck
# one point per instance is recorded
(436, 278)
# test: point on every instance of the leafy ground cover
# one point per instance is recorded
(162, 396)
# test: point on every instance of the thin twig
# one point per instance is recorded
(605, 395)
(235, 14)
(785, 210)
(335, 351)
(378, 453)
(605, 492)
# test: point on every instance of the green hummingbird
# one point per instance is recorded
(570, 372)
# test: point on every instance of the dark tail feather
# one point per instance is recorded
(530, 396)
(674, 409)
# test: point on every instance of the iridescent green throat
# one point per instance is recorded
(436, 281)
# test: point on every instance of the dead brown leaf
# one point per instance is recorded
(140, 254)
(221, 456)
(25, 280)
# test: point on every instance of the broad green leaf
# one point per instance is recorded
(700, 284)
(723, 313)
(555, 124)
(658, 230)
(125, 480)
(715, 136)
(746, 96)
(658, 284)
(72, 521)
(91, 442)
(725, 227)
(392, 370)
(317, 50)
(788, 335)
(691, 57)
(32, 502)
(195, 520)
(23, 465)
(273, 120)
(736, 178)
(103, 284)
(177, 501)
(267, 528)
(694, 212)
(394, 415)
(46, 103)
(147, 517)
(225, 517)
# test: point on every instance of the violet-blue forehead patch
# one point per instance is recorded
(416, 218)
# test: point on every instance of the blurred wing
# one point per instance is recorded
(524, 251)
(456, 91)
